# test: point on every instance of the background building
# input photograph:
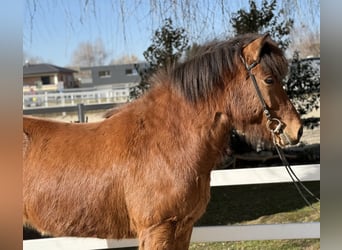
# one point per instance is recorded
(48, 77)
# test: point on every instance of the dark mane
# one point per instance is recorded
(210, 66)
(273, 60)
(206, 66)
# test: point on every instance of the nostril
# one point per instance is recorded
(300, 132)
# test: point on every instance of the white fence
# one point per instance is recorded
(47, 99)
(310, 230)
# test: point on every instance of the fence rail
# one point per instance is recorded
(71, 108)
(310, 230)
(65, 99)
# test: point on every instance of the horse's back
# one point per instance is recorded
(31, 126)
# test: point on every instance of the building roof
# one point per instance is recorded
(43, 68)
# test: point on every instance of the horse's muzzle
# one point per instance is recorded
(285, 139)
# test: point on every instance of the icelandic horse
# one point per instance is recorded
(145, 170)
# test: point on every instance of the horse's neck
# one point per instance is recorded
(167, 107)
(167, 103)
(163, 121)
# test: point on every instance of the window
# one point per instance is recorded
(45, 80)
(131, 72)
(104, 73)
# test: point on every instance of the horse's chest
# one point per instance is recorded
(197, 197)
(203, 192)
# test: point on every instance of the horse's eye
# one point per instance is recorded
(269, 80)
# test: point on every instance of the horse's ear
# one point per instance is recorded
(251, 52)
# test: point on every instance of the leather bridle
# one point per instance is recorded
(274, 125)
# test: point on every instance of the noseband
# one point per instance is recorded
(274, 125)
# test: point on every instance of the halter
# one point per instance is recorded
(274, 125)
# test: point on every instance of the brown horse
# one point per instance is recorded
(145, 170)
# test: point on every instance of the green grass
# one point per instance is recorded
(264, 245)
(260, 204)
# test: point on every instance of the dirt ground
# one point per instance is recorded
(311, 136)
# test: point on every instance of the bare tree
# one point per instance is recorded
(125, 59)
(100, 53)
(306, 41)
(29, 59)
(89, 54)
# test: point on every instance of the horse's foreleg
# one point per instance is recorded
(158, 237)
(183, 239)
(165, 237)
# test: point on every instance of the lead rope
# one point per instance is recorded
(296, 181)
(277, 130)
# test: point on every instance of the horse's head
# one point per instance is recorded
(259, 104)
(219, 77)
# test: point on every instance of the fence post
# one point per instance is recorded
(80, 110)
(46, 99)
(62, 95)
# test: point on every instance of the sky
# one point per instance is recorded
(53, 29)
